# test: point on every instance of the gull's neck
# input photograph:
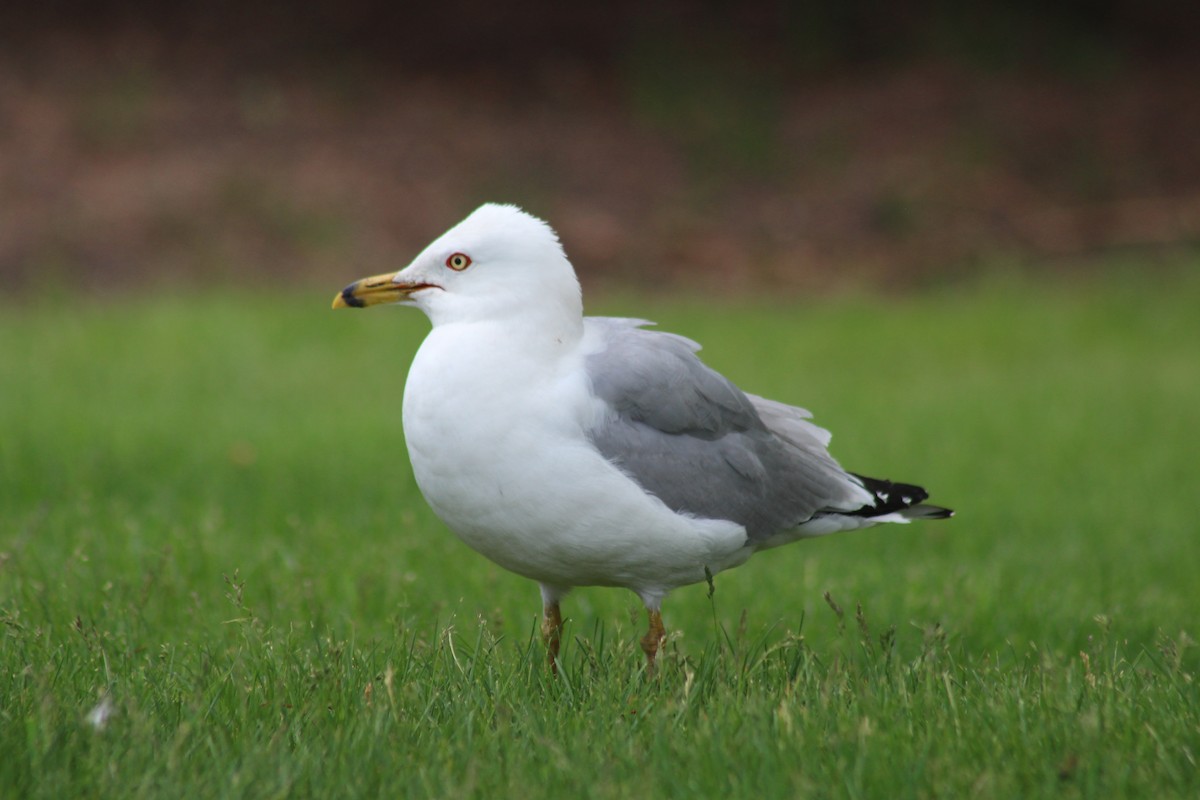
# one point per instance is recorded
(556, 320)
(533, 333)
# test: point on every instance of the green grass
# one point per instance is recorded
(208, 524)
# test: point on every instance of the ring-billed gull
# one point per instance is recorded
(590, 451)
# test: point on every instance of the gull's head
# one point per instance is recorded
(497, 263)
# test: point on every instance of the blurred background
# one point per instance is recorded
(756, 144)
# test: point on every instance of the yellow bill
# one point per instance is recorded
(374, 291)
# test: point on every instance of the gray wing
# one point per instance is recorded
(689, 436)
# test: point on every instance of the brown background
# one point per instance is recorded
(750, 145)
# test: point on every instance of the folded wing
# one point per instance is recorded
(689, 436)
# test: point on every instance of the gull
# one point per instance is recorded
(591, 451)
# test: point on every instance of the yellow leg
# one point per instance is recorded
(552, 626)
(653, 638)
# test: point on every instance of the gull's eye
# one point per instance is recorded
(458, 262)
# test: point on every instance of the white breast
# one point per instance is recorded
(495, 434)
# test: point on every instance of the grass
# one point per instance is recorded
(217, 578)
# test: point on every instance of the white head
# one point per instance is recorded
(496, 264)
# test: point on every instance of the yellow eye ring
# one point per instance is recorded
(458, 262)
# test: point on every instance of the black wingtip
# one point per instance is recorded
(902, 498)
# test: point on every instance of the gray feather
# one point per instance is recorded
(690, 437)
(655, 378)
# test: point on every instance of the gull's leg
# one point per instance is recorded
(653, 638)
(552, 633)
(552, 624)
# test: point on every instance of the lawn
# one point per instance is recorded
(217, 577)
